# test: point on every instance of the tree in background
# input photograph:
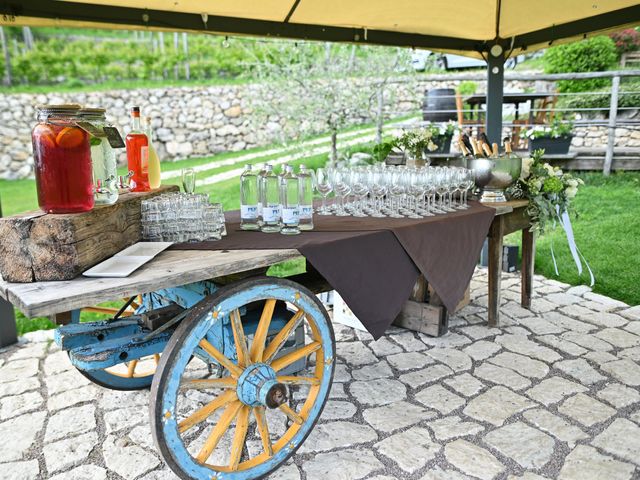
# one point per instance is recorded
(305, 88)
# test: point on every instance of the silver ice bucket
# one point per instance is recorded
(494, 175)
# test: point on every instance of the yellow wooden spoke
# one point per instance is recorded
(218, 431)
(293, 380)
(276, 344)
(289, 412)
(263, 430)
(156, 358)
(203, 413)
(239, 436)
(221, 359)
(286, 360)
(205, 383)
(239, 338)
(131, 368)
(259, 338)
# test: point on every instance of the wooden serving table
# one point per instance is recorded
(176, 268)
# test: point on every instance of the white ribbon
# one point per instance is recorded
(565, 221)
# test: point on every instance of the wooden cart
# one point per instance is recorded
(211, 326)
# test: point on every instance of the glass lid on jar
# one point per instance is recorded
(62, 109)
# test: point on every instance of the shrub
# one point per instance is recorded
(626, 40)
(467, 88)
(595, 54)
(628, 98)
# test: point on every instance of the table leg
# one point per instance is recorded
(8, 331)
(528, 262)
(495, 271)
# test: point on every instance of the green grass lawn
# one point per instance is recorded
(606, 231)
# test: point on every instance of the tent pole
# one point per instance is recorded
(495, 89)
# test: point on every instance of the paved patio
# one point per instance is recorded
(553, 393)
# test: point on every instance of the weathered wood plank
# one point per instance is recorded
(41, 247)
(528, 261)
(169, 269)
(495, 271)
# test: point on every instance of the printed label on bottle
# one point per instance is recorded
(271, 214)
(291, 216)
(249, 212)
(306, 212)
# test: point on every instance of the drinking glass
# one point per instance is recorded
(189, 180)
(342, 188)
(324, 187)
(360, 189)
(396, 180)
(378, 188)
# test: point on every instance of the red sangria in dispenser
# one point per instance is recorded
(62, 158)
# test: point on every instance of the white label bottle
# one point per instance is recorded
(271, 212)
(290, 200)
(305, 187)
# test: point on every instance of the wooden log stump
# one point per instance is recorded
(36, 246)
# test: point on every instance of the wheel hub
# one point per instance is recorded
(257, 386)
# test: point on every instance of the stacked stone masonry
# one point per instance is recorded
(200, 121)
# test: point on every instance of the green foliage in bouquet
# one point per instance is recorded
(546, 187)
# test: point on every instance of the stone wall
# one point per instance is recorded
(200, 121)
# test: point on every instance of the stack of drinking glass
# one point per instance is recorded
(180, 217)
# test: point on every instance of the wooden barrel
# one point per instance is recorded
(435, 101)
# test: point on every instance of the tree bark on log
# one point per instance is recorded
(41, 247)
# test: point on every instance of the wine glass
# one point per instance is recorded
(396, 177)
(342, 188)
(360, 189)
(324, 187)
(378, 188)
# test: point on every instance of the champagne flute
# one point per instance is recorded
(189, 180)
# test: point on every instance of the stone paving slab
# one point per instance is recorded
(553, 393)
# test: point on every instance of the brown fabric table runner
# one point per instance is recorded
(373, 263)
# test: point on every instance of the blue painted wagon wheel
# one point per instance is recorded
(247, 423)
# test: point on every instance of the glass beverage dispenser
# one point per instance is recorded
(103, 158)
(62, 158)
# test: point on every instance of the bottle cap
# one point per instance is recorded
(135, 111)
(248, 166)
(303, 166)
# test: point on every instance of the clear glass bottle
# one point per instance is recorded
(154, 161)
(271, 211)
(103, 159)
(305, 187)
(261, 175)
(249, 199)
(138, 164)
(290, 200)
